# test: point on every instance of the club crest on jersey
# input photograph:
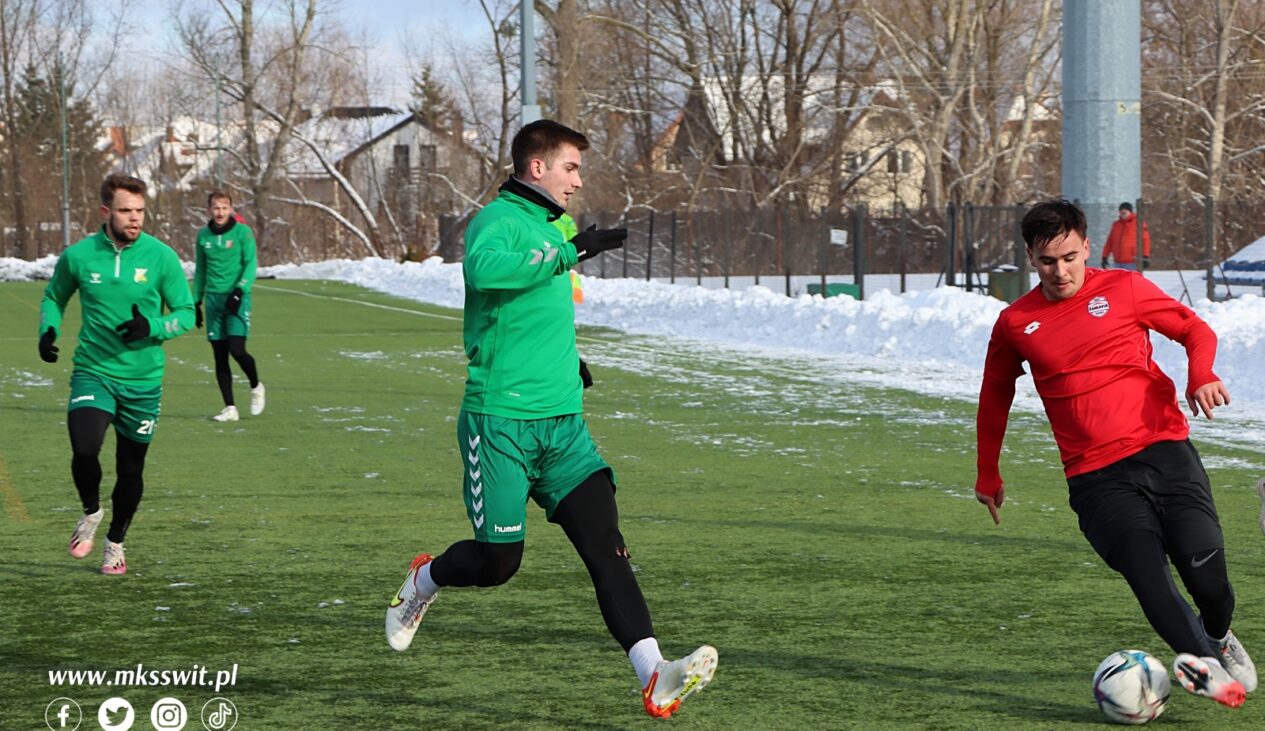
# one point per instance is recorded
(139, 275)
(228, 244)
(1098, 306)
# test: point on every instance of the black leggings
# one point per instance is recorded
(234, 345)
(1141, 560)
(590, 518)
(87, 433)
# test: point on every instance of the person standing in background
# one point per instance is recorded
(224, 271)
(1122, 242)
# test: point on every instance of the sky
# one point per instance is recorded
(387, 26)
(930, 341)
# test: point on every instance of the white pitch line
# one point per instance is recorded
(361, 302)
(396, 309)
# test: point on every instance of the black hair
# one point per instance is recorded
(541, 139)
(117, 181)
(1050, 219)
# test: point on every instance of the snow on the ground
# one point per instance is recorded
(931, 339)
(937, 329)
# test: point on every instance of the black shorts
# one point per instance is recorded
(1163, 490)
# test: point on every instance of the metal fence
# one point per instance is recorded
(962, 245)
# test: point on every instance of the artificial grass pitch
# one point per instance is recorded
(820, 533)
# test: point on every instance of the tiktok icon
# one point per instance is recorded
(219, 714)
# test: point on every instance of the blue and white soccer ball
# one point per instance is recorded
(1131, 687)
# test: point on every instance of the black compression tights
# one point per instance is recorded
(590, 519)
(233, 345)
(1145, 566)
(87, 432)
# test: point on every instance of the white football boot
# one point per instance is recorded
(406, 608)
(1205, 676)
(81, 538)
(675, 681)
(257, 400)
(228, 414)
(1235, 660)
(112, 559)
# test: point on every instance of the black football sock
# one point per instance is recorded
(473, 563)
(223, 376)
(237, 349)
(130, 463)
(87, 429)
(590, 518)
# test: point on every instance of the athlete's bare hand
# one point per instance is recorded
(1208, 397)
(992, 502)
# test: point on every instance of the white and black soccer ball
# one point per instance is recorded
(1131, 687)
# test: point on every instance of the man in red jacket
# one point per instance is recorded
(1122, 242)
(1135, 481)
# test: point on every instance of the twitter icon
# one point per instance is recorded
(116, 714)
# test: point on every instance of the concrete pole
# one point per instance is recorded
(1102, 104)
(527, 12)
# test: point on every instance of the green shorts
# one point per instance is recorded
(507, 460)
(222, 324)
(135, 408)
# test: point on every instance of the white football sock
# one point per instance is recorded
(424, 584)
(645, 657)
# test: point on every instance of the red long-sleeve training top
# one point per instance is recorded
(1091, 362)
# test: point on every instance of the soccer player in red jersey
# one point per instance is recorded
(1135, 481)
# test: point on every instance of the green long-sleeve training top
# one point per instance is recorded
(109, 281)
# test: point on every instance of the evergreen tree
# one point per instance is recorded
(37, 135)
(432, 101)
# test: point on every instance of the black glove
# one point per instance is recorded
(1104, 263)
(1146, 263)
(48, 351)
(234, 301)
(197, 315)
(134, 329)
(585, 377)
(592, 241)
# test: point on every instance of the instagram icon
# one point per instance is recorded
(219, 714)
(168, 714)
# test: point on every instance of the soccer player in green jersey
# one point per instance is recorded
(224, 270)
(521, 431)
(125, 278)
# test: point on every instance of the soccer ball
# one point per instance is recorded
(1131, 687)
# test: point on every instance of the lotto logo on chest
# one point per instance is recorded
(1099, 306)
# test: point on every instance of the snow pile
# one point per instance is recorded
(940, 333)
(944, 328)
(21, 270)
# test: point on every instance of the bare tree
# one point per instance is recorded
(268, 79)
(1206, 107)
(17, 27)
(926, 50)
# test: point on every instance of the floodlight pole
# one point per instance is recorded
(65, 157)
(1102, 104)
(219, 147)
(527, 13)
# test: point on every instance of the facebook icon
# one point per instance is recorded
(63, 713)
